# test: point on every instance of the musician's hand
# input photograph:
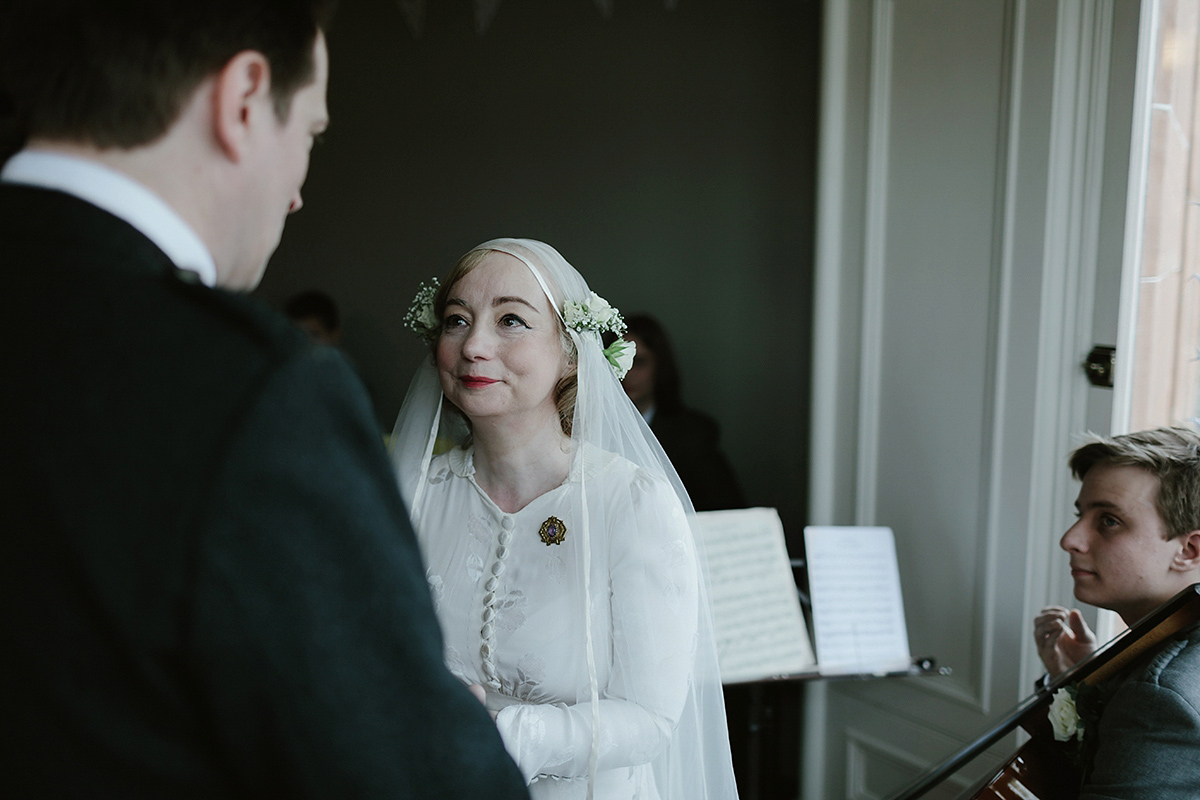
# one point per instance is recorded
(1063, 638)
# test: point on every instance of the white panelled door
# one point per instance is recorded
(972, 204)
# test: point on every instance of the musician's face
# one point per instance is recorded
(1121, 558)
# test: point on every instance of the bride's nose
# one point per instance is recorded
(479, 343)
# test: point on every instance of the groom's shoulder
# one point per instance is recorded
(94, 303)
(240, 324)
(77, 267)
(224, 343)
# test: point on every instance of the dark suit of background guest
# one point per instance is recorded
(692, 441)
(690, 438)
(208, 583)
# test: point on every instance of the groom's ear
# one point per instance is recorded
(241, 99)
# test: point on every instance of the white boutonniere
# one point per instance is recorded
(1064, 716)
(1074, 717)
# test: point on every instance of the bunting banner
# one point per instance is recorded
(414, 15)
(485, 12)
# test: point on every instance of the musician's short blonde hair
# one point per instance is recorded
(1170, 454)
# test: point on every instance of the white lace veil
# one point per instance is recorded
(695, 762)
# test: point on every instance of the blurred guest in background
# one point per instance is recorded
(315, 313)
(691, 438)
(10, 139)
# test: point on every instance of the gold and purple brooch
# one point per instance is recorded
(553, 531)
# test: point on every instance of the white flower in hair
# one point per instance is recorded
(593, 314)
(620, 356)
(596, 315)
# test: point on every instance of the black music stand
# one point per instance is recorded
(766, 721)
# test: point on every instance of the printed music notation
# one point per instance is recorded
(858, 612)
(757, 618)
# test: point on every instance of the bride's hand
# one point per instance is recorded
(481, 695)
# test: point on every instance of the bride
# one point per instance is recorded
(565, 572)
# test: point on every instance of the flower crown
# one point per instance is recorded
(597, 316)
(593, 315)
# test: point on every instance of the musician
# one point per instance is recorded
(1135, 545)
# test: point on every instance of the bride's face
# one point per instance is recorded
(500, 352)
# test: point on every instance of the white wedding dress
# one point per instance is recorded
(510, 607)
(596, 649)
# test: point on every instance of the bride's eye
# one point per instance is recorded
(453, 321)
(512, 321)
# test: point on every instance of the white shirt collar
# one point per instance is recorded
(120, 196)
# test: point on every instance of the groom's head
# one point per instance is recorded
(214, 104)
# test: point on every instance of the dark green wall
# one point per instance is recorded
(669, 155)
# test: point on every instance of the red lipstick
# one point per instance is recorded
(476, 382)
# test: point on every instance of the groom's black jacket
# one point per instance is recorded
(208, 583)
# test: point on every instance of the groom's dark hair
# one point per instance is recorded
(116, 73)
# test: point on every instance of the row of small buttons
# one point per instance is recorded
(488, 631)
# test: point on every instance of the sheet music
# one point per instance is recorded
(758, 623)
(858, 613)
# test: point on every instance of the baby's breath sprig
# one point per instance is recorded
(420, 317)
